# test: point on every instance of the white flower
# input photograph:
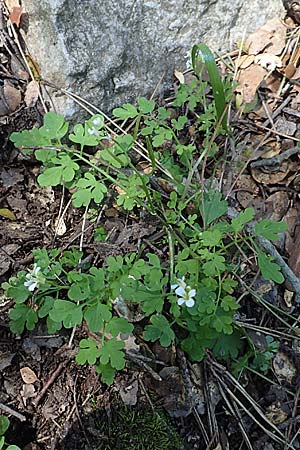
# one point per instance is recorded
(97, 121)
(93, 131)
(184, 292)
(34, 278)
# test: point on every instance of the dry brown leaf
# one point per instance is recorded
(15, 15)
(32, 93)
(249, 81)
(244, 61)
(277, 205)
(284, 368)
(268, 61)
(265, 177)
(257, 41)
(28, 375)
(296, 75)
(272, 83)
(290, 70)
(275, 414)
(179, 76)
(272, 36)
(10, 98)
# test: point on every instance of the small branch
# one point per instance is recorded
(51, 380)
(10, 411)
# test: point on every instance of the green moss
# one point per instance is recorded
(138, 429)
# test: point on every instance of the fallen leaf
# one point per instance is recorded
(7, 213)
(15, 15)
(272, 36)
(290, 70)
(275, 414)
(249, 81)
(284, 368)
(60, 226)
(179, 76)
(257, 41)
(244, 61)
(265, 177)
(10, 98)
(32, 93)
(28, 375)
(268, 61)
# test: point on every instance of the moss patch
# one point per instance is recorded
(138, 429)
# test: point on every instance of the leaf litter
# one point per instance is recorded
(271, 187)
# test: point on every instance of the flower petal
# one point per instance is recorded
(192, 293)
(180, 301)
(190, 303)
(180, 291)
(174, 286)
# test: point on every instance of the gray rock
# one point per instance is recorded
(112, 51)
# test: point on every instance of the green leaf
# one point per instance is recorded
(160, 329)
(222, 322)
(227, 346)
(215, 266)
(96, 316)
(22, 316)
(111, 353)
(54, 127)
(67, 312)
(29, 138)
(88, 188)
(244, 217)
(85, 135)
(146, 106)
(2, 440)
(71, 258)
(213, 207)
(119, 325)
(179, 124)
(63, 171)
(19, 293)
(269, 270)
(45, 306)
(270, 230)
(117, 154)
(211, 238)
(4, 425)
(127, 111)
(107, 373)
(203, 52)
(88, 353)
(13, 447)
(228, 303)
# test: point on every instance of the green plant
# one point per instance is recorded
(4, 425)
(190, 298)
(258, 360)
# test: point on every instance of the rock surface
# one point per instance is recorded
(112, 51)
